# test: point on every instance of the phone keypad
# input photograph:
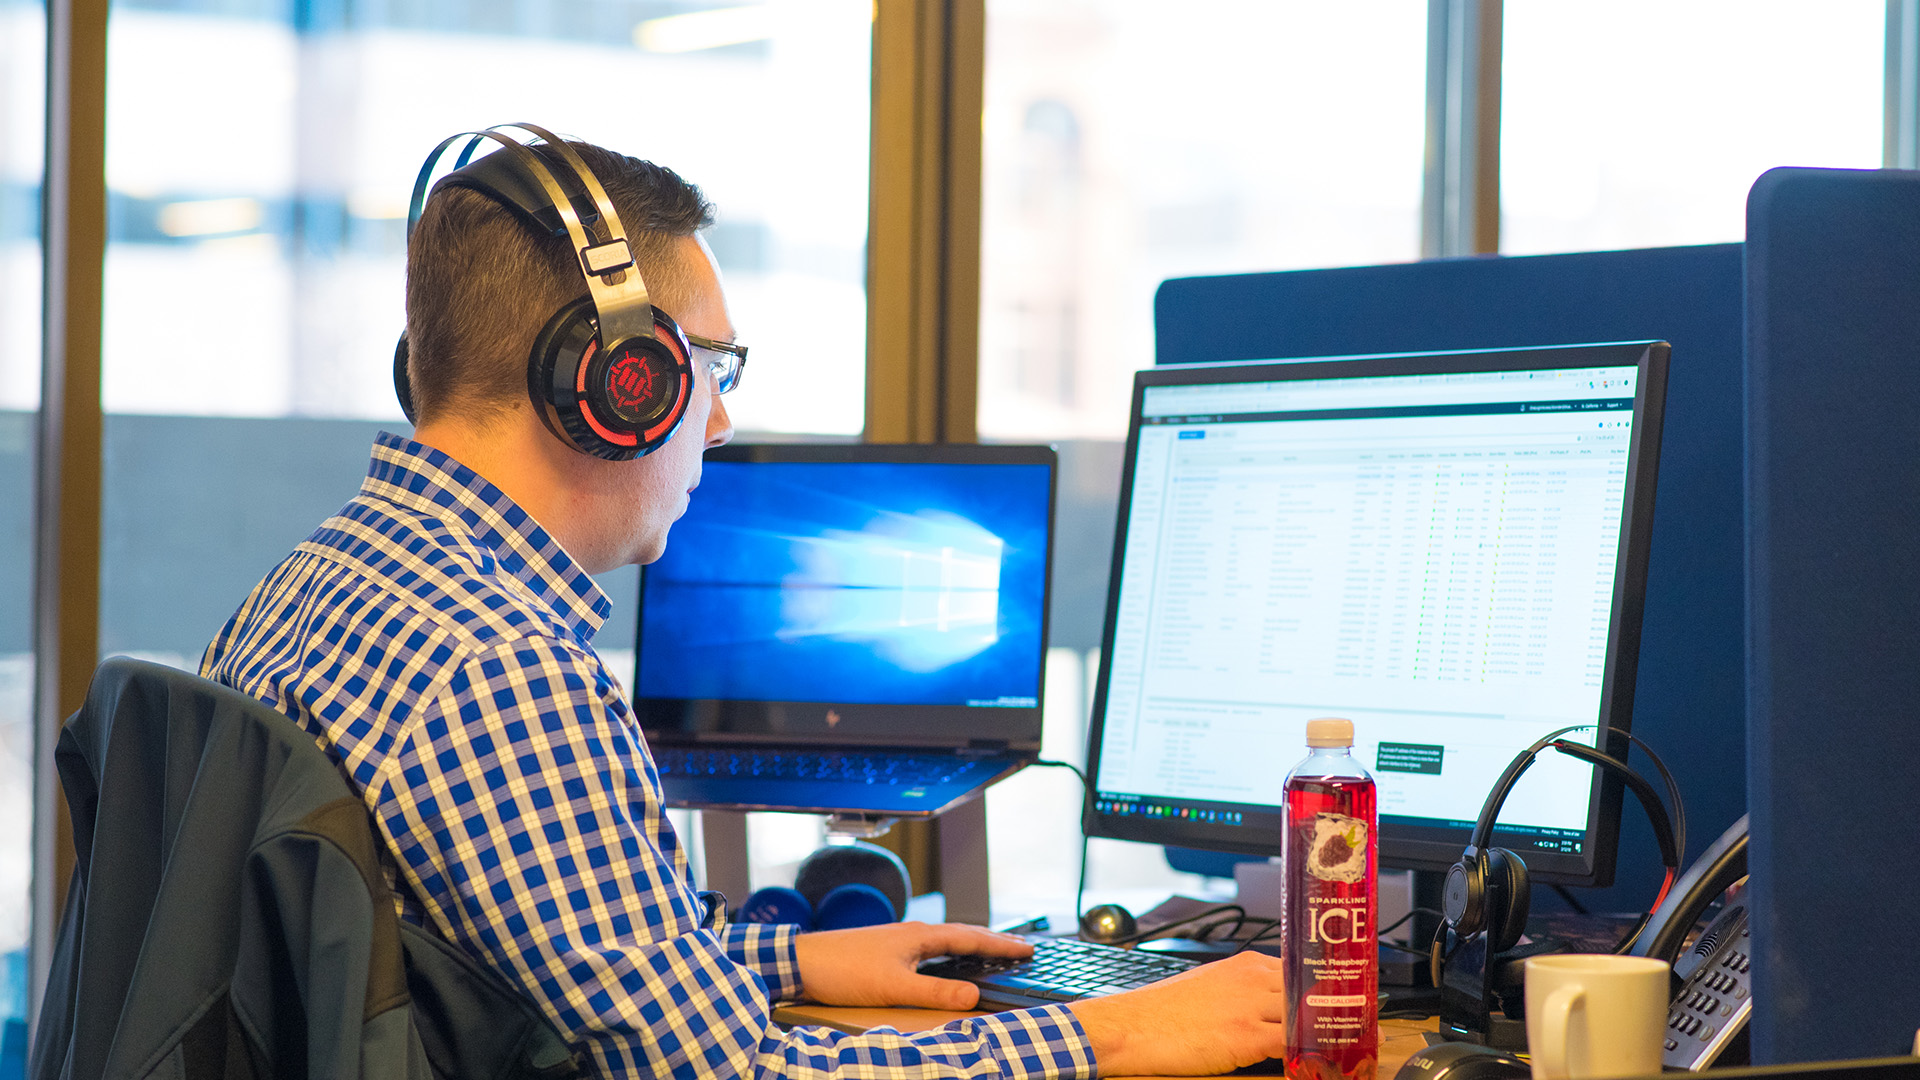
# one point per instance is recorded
(1713, 1005)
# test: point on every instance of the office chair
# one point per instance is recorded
(228, 915)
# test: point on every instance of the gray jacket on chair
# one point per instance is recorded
(228, 916)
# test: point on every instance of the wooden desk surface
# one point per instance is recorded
(1399, 1039)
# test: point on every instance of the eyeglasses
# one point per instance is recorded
(724, 358)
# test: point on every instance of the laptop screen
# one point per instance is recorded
(853, 594)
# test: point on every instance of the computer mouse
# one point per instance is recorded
(1107, 923)
(1463, 1061)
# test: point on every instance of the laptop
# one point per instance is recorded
(849, 628)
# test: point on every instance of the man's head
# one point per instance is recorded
(481, 282)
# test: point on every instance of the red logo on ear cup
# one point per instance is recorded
(630, 382)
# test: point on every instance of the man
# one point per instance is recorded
(436, 636)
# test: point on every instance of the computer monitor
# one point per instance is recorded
(1448, 548)
(852, 595)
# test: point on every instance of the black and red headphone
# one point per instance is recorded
(610, 374)
(1488, 889)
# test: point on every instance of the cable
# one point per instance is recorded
(1401, 921)
(1239, 916)
(1238, 919)
(1266, 931)
(1567, 894)
(1080, 890)
(1067, 765)
(1260, 935)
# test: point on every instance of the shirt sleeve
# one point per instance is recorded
(768, 950)
(1025, 1045)
(526, 816)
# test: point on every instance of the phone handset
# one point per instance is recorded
(1713, 981)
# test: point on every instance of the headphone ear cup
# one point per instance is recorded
(861, 863)
(853, 905)
(777, 904)
(402, 382)
(618, 403)
(1462, 901)
(1508, 899)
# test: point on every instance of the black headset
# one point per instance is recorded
(610, 374)
(1488, 889)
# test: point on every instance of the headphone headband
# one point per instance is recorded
(1497, 797)
(605, 258)
(1487, 890)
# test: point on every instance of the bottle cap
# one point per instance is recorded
(1330, 731)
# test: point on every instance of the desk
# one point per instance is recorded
(1399, 1039)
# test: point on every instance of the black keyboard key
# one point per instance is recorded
(872, 767)
(1061, 969)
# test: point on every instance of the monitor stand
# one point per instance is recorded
(963, 856)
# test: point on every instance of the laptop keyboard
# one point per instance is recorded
(872, 767)
(1061, 969)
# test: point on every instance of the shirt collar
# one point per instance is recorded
(423, 479)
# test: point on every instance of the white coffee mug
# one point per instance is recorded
(1595, 1016)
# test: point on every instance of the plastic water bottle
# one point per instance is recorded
(1330, 948)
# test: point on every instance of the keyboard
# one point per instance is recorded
(872, 767)
(1061, 969)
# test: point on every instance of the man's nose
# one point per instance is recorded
(719, 426)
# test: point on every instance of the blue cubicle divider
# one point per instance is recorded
(1833, 528)
(1689, 700)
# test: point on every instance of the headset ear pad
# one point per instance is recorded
(827, 870)
(1488, 890)
(402, 383)
(1508, 899)
(617, 403)
(1462, 901)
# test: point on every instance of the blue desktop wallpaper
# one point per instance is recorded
(867, 582)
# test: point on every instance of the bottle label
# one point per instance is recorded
(1338, 849)
(1337, 920)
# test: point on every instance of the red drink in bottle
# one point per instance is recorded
(1331, 953)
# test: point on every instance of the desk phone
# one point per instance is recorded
(1710, 1011)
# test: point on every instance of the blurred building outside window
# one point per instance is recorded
(260, 157)
(1124, 145)
(259, 174)
(23, 45)
(1643, 124)
(258, 169)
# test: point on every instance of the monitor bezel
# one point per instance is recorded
(708, 722)
(1434, 848)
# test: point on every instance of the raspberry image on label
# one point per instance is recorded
(1338, 849)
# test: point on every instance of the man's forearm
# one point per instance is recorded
(1025, 1045)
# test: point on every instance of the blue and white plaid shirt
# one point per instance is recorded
(438, 642)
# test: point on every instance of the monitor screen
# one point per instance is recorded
(899, 590)
(1448, 549)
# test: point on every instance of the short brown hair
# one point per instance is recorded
(481, 283)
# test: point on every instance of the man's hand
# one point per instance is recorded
(874, 965)
(1202, 1022)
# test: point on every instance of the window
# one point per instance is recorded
(260, 157)
(256, 257)
(1643, 124)
(257, 254)
(23, 45)
(261, 153)
(1126, 143)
